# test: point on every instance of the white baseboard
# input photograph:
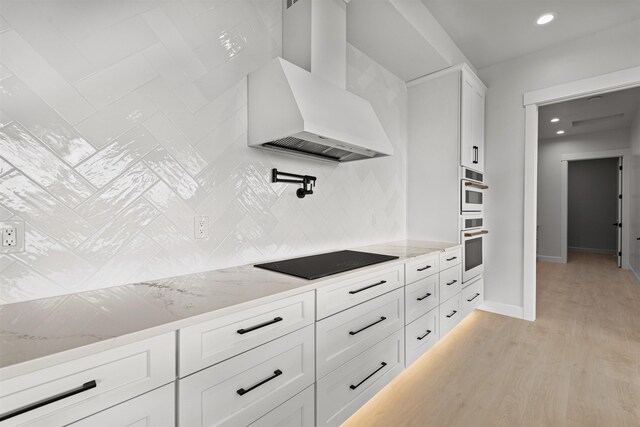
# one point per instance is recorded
(634, 274)
(547, 258)
(503, 309)
(592, 250)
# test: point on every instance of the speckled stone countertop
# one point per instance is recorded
(41, 333)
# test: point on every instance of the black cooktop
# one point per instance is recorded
(316, 266)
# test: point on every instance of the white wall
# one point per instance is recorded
(593, 55)
(550, 152)
(634, 244)
(593, 205)
(123, 120)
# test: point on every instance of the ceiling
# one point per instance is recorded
(378, 28)
(492, 31)
(625, 102)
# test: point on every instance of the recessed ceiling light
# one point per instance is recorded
(545, 18)
(560, 132)
(555, 120)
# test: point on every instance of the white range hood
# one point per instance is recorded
(300, 106)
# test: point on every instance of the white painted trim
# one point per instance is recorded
(592, 155)
(503, 309)
(626, 180)
(617, 80)
(530, 213)
(564, 210)
(635, 274)
(622, 79)
(547, 258)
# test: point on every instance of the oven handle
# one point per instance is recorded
(475, 184)
(477, 233)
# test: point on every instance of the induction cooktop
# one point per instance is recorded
(316, 266)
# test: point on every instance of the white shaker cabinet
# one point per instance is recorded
(445, 132)
(471, 121)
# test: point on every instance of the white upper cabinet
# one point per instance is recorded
(472, 121)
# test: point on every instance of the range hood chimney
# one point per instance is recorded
(299, 105)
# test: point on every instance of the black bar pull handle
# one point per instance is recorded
(259, 325)
(475, 154)
(382, 365)
(426, 296)
(452, 313)
(424, 268)
(426, 333)
(243, 391)
(382, 319)
(39, 404)
(473, 297)
(451, 282)
(452, 258)
(382, 282)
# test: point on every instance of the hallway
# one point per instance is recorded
(577, 365)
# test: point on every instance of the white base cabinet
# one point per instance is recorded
(421, 335)
(299, 411)
(242, 389)
(153, 409)
(346, 389)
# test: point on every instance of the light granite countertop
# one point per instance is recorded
(41, 333)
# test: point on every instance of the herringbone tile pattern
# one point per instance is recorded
(121, 120)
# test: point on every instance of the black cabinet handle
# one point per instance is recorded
(452, 258)
(452, 313)
(424, 268)
(382, 282)
(259, 325)
(382, 319)
(84, 387)
(427, 333)
(243, 391)
(474, 297)
(353, 387)
(475, 154)
(426, 296)
(451, 282)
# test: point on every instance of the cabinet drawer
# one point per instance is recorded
(472, 296)
(211, 342)
(340, 296)
(421, 297)
(450, 283)
(423, 267)
(87, 385)
(153, 409)
(450, 315)
(450, 257)
(299, 411)
(421, 335)
(343, 336)
(342, 392)
(241, 389)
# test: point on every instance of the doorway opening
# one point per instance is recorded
(533, 102)
(594, 208)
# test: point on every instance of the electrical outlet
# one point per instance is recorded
(201, 227)
(11, 236)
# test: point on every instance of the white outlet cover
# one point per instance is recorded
(18, 225)
(201, 227)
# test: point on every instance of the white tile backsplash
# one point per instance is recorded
(122, 120)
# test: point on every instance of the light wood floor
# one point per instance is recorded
(577, 365)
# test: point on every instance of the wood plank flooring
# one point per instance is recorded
(578, 364)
